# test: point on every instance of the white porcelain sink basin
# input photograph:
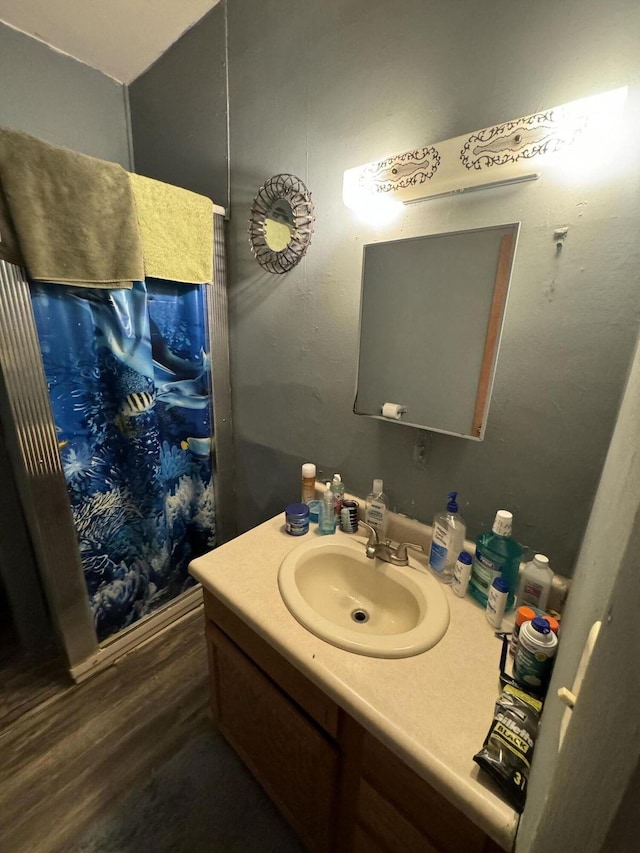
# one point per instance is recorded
(362, 605)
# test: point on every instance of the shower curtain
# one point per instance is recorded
(128, 373)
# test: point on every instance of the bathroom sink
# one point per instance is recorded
(366, 606)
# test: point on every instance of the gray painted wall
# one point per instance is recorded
(316, 88)
(179, 112)
(61, 100)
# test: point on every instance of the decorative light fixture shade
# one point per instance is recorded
(281, 223)
(511, 152)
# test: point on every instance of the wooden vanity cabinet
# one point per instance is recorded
(337, 785)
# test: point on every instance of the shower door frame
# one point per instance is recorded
(27, 418)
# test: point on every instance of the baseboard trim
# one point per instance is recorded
(139, 634)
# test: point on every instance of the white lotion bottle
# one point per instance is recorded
(461, 574)
(496, 602)
(376, 509)
(535, 583)
(448, 540)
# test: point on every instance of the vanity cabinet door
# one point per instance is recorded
(404, 814)
(304, 694)
(385, 823)
(290, 757)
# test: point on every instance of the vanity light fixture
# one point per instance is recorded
(508, 153)
(487, 185)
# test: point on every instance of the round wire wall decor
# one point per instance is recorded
(281, 223)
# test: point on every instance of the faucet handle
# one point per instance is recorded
(401, 550)
(373, 533)
(372, 547)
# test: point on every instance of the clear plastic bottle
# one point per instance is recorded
(376, 509)
(327, 520)
(449, 531)
(497, 555)
(337, 487)
(535, 583)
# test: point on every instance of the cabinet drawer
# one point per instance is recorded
(309, 697)
(420, 806)
(288, 755)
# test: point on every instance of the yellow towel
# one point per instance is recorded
(176, 228)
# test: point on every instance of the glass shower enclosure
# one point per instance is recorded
(116, 410)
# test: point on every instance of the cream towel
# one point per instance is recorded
(73, 215)
(176, 227)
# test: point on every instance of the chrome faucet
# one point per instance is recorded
(385, 551)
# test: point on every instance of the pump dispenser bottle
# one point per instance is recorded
(448, 540)
(328, 520)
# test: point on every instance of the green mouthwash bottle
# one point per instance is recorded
(497, 555)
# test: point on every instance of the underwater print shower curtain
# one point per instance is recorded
(129, 380)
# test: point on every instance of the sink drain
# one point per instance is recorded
(360, 615)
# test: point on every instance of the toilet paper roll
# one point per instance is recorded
(392, 410)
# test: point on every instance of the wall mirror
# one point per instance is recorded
(431, 316)
(281, 223)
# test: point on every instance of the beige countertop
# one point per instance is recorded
(433, 710)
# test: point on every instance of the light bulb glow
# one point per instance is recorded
(370, 208)
(596, 151)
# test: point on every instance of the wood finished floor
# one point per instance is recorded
(67, 761)
(27, 679)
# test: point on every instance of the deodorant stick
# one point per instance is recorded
(461, 574)
(497, 601)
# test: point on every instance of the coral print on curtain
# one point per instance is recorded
(129, 382)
